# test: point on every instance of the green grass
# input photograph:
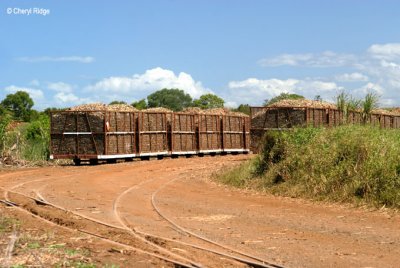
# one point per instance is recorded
(357, 164)
(6, 224)
(34, 245)
(56, 246)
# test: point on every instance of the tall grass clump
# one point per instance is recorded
(26, 141)
(36, 139)
(358, 164)
(4, 121)
(369, 103)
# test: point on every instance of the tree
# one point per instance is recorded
(117, 102)
(208, 101)
(318, 98)
(39, 128)
(243, 108)
(140, 104)
(174, 99)
(33, 115)
(283, 96)
(20, 104)
(3, 111)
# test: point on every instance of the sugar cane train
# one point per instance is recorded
(96, 132)
(110, 134)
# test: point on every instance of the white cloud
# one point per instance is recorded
(254, 91)
(387, 102)
(138, 85)
(65, 95)
(306, 87)
(320, 60)
(36, 94)
(64, 98)
(231, 104)
(388, 51)
(57, 59)
(370, 87)
(351, 77)
(286, 59)
(379, 65)
(60, 87)
(270, 86)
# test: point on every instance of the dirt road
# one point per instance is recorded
(150, 204)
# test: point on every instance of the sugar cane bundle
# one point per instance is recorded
(303, 103)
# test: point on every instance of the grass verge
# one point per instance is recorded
(356, 164)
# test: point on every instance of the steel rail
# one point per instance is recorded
(256, 263)
(135, 249)
(162, 215)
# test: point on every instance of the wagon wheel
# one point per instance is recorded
(93, 161)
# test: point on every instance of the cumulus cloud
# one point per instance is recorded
(270, 86)
(65, 95)
(351, 77)
(62, 97)
(370, 88)
(310, 87)
(385, 51)
(321, 60)
(68, 98)
(57, 59)
(286, 59)
(254, 91)
(35, 94)
(138, 85)
(378, 65)
(60, 87)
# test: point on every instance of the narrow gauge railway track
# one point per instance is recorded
(190, 233)
(41, 200)
(154, 244)
(230, 253)
(38, 210)
(19, 201)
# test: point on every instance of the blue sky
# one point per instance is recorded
(243, 51)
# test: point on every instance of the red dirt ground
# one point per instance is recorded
(289, 232)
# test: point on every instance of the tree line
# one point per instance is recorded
(18, 106)
(177, 100)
